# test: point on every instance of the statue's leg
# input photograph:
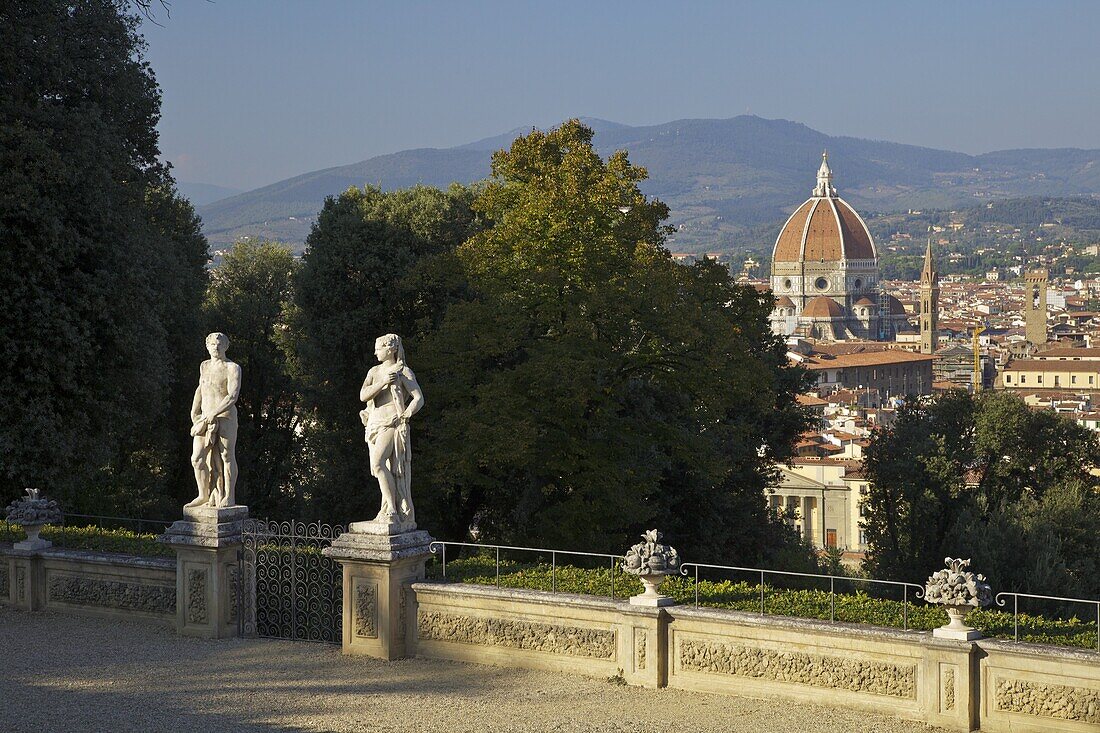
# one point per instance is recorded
(381, 448)
(202, 471)
(217, 480)
(227, 447)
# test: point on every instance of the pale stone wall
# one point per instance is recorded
(539, 630)
(87, 582)
(1029, 688)
(907, 674)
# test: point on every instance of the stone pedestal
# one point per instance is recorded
(22, 579)
(379, 605)
(206, 542)
(956, 629)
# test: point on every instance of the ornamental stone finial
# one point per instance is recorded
(959, 591)
(651, 561)
(32, 512)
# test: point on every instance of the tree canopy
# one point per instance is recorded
(249, 299)
(589, 386)
(376, 262)
(990, 478)
(102, 265)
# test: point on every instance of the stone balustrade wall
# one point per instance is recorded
(957, 685)
(1027, 687)
(78, 581)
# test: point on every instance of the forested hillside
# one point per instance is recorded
(721, 179)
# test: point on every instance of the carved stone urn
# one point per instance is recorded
(33, 512)
(651, 561)
(959, 592)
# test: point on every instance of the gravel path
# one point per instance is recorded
(69, 673)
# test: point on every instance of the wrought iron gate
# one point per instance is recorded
(288, 589)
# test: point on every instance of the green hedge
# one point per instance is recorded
(856, 607)
(96, 539)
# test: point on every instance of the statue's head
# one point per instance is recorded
(390, 344)
(217, 343)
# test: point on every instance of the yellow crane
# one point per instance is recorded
(977, 377)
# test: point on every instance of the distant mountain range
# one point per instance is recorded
(722, 179)
(204, 193)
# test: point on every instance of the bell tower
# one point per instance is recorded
(929, 302)
(1035, 307)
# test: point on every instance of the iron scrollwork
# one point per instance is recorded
(288, 589)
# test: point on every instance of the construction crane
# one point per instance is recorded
(977, 377)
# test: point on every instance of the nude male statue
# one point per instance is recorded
(393, 396)
(214, 427)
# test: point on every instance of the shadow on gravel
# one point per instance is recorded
(78, 673)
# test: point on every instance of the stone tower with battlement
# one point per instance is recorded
(1035, 307)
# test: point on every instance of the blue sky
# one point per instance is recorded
(259, 90)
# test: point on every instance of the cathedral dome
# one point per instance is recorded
(824, 228)
(823, 307)
(895, 306)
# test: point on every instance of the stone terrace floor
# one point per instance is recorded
(70, 673)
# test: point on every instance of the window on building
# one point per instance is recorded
(1023, 379)
(862, 537)
(1090, 380)
(830, 538)
(1008, 379)
(1040, 378)
(1073, 379)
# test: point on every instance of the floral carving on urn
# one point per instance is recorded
(959, 591)
(33, 512)
(651, 561)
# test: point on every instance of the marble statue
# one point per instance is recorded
(214, 427)
(392, 396)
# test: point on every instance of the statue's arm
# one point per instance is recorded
(415, 392)
(232, 390)
(371, 388)
(196, 403)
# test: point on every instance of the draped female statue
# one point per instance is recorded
(392, 396)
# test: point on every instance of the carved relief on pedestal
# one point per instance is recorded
(196, 597)
(947, 693)
(816, 670)
(639, 649)
(233, 582)
(20, 585)
(4, 587)
(401, 629)
(366, 610)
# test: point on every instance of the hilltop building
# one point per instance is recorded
(825, 273)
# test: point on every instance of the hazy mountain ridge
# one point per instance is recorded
(721, 178)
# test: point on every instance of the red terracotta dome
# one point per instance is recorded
(824, 228)
(823, 307)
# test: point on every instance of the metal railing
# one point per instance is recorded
(65, 533)
(918, 594)
(1016, 610)
(440, 547)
